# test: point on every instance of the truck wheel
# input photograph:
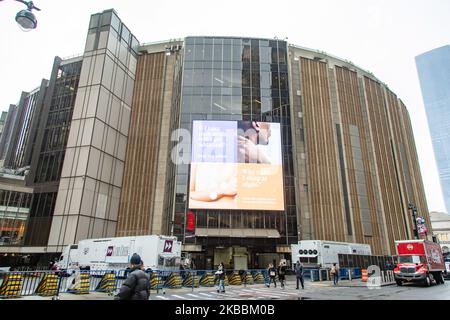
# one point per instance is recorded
(441, 278)
(427, 281)
(399, 282)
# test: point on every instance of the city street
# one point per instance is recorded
(313, 291)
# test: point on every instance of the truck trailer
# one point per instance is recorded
(419, 261)
(157, 252)
(322, 254)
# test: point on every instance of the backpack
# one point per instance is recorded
(272, 272)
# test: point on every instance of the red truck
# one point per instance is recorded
(419, 261)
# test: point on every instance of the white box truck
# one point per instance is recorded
(157, 252)
(322, 254)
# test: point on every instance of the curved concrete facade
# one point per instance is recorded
(357, 154)
(353, 152)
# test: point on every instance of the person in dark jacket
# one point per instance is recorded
(299, 274)
(282, 273)
(137, 284)
(272, 272)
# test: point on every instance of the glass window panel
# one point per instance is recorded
(126, 34)
(198, 55)
(189, 53)
(236, 66)
(227, 65)
(208, 53)
(237, 53)
(115, 22)
(227, 52)
(106, 18)
(199, 41)
(217, 52)
(188, 77)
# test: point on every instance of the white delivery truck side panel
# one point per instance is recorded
(330, 251)
(157, 252)
(361, 249)
(319, 253)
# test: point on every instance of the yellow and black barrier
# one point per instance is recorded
(11, 286)
(107, 284)
(156, 281)
(207, 280)
(258, 278)
(173, 280)
(81, 284)
(235, 279)
(48, 285)
(191, 281)
(247, 278)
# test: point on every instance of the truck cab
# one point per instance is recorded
(419, 261)
(68, 261)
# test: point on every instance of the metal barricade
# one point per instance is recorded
(53, 283)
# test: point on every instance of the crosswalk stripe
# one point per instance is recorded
(205, 294)
(225, 295)
(161, 297)
(271, 293)
(279, 292)
(193, 295)
(180, 297)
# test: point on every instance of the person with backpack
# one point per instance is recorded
(335, 274)
(137, 284)
(272, 273)
(282, 273)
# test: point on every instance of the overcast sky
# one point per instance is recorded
(378, 35)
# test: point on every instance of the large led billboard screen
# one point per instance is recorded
(236, 165)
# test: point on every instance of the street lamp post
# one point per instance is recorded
(413, 209)
(25, 18)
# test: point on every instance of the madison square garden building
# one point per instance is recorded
(237, 146)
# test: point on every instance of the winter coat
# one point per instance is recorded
(299, 270)
(221, 273)
(135, 287)
(281, 272)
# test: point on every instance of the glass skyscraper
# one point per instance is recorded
(434, 75)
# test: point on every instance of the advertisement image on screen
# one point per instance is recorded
(236, 165)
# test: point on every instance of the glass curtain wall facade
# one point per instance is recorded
(57, 127)
(14, 212)
(49, 157)
(6, 137)
(434, 75)
(24, 136)
(237, 79)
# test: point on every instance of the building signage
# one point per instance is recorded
(168, 244)
(236, 165)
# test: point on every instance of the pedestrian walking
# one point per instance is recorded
(282, 272)
(220, 273)
(299, 274)
(335, 273)
(272, 272)
(137, 284)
